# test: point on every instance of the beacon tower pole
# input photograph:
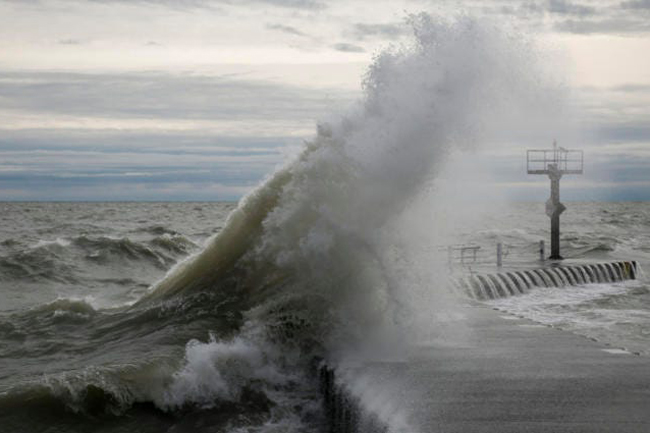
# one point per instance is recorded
(555, 163)
(553, 209)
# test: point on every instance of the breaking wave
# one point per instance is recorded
(316, 234)
(314, 260)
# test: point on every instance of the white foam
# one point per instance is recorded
(601, 311)
(58, 241)
(217, 371)
(617, 351)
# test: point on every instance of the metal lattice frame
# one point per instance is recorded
(539, 161)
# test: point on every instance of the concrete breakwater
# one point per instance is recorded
(513, 374)
(482, 286)
(501, 375)
(344, 411)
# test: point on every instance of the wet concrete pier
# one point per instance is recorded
(499, 373)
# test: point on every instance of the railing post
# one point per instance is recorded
(499, 254)
(541, 250)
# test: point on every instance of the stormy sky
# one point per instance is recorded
(201, 99)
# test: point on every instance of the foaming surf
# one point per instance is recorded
(614, 313)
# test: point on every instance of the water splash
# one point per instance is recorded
(332, 249)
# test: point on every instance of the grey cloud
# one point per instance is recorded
(630, 132)
(633, 88)
(554, 7)
(188, 4)
(614, 114)
(379, 30)
(582, 17)
(565, 7)
(285, 29)
(67, 163)
(163, 96)
(168, 142)
(348, 48)
(608, 25)
(523, 10)
(84, 165)
(636, 4)
(70, 42)
(173, 4)
(297, 4)
(202, 4)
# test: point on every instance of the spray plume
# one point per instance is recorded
(317, 238)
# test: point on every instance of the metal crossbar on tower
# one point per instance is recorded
(554, 163)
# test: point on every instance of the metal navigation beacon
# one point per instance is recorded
(555, 163)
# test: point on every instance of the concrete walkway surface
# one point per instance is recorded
(506, 374)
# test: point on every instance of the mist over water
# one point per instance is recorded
(333, 252)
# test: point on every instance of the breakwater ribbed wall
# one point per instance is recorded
(344, 411)
(503, 284)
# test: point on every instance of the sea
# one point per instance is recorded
(91, 340)
(213, 317)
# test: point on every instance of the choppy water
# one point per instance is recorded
(77, 355)
(79, 351)
(106, 252)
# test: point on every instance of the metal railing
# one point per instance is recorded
(539, 161)
(470, 254)
(463, 253)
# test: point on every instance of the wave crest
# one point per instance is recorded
(317, 232)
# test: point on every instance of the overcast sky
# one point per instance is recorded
(200, 99)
